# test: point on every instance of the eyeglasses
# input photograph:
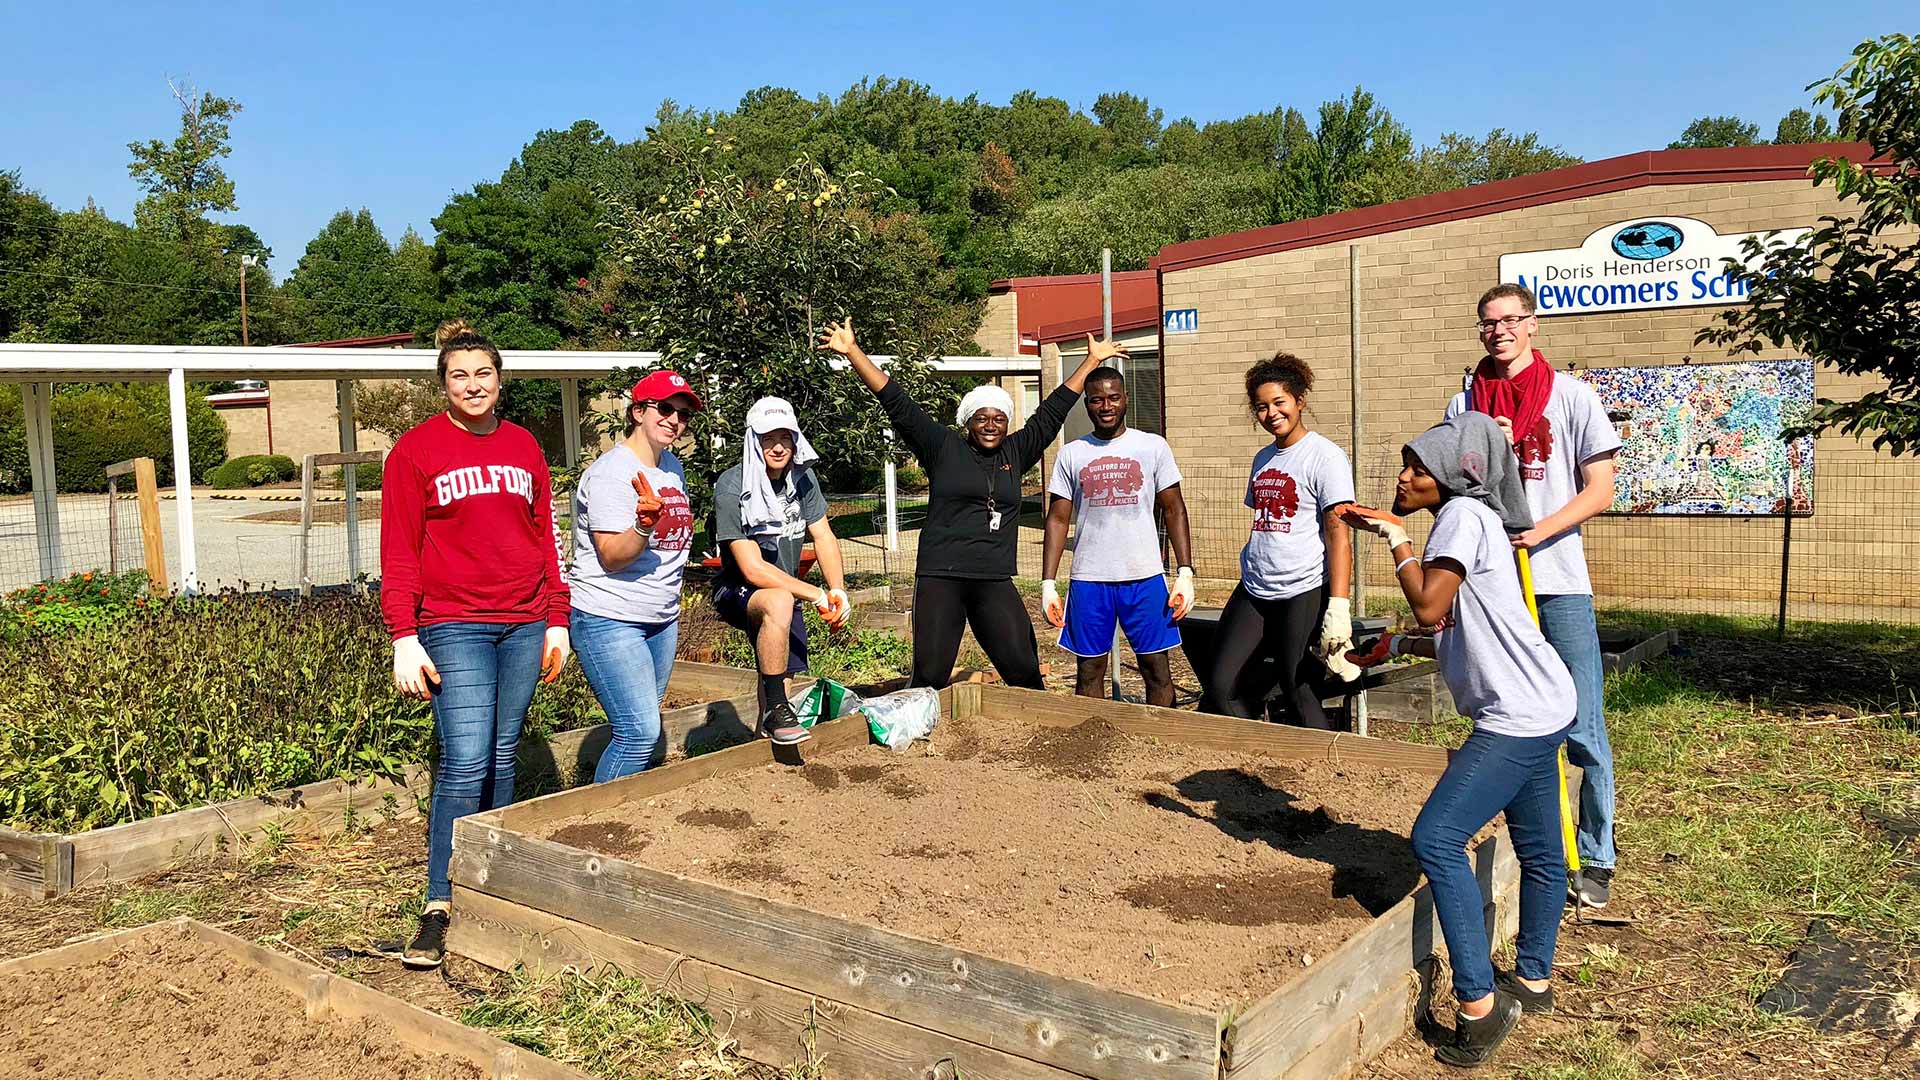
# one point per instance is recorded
(1504, 322)
(664, 409)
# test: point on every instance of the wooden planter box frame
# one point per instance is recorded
(789, 983)
(327, 996)
(41, 866)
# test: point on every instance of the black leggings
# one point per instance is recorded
(943, 607)
(1252, 629)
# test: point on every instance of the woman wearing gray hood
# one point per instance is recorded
(1510, 682)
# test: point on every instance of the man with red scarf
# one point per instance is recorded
(1566, 446)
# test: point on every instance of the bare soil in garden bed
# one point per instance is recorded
(332, 513)
(171, 1005)
(1193, 876)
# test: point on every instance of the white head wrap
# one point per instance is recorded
(760, 507)
(985, 396)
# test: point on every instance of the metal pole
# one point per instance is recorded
(1106, 334)
(246, 261)
(1786, 554)
(892, 498)
(349, 442)
(1355, 443)
(37, 403)
(183, 480)
(113, 525)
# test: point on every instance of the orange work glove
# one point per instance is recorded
(647, 512)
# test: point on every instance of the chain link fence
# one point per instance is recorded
(1845, 554)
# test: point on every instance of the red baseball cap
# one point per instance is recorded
(663, 384)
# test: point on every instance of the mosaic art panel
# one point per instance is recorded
(1705, 438)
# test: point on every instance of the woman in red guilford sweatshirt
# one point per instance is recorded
(472, 593)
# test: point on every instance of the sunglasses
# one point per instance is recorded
(664, 409)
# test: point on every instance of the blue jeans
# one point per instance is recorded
(487, 675)
(1486, 776)
(628, 665)
(1567, 621)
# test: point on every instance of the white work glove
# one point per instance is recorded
(1180, 599)
(412, 668)
(835, 606)
(559, 647)
(1051, 604)
(1377, 522)
(1336, 637)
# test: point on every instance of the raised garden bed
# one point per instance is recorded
(1057, 887)
(41, 865)
(1420, 697)
(183, 1000)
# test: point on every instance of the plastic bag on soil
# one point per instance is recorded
(898, 718)
(822, 701)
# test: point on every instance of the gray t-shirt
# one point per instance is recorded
(1573, 431)
(647, 590)
(1113, 484)
(781, 542)
(1290, 492)
(1501, 671)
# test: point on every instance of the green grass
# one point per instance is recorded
(611, 1025)
(1595, 1053)
(139, 907)
(1758, 827)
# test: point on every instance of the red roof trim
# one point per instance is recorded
(1073, 328)
(1064, 279)
(1644, 169)
(376, 342)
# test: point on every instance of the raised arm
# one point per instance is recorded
(923, 434)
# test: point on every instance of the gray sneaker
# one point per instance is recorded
(1592, 887)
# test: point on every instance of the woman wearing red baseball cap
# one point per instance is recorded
(632, 530)
(472, 594)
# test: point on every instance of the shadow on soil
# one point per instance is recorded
(1373, 867)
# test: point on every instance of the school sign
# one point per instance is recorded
(1643, 264)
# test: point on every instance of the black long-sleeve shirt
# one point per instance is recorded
(955, 542)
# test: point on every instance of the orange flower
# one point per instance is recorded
(88, 576)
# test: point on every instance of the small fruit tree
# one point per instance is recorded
(731, 278)
(1848, 293)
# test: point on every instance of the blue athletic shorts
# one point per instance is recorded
(730, 598)
(1139, 607)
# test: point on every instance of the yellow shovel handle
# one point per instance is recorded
(1567, 837)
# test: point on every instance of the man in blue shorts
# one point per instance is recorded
(1112, 481)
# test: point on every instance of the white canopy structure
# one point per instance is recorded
(39, 367)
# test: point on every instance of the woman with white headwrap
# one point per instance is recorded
(964, 576)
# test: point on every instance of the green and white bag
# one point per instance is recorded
(822, 701)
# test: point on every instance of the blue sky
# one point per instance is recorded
(397, 106)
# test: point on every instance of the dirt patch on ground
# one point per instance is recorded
(612, 837)
(730, 820)
(823, 777)
(169, 1005)
(1195, 876)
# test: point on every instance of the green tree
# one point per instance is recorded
(1714, 131)
(1129, 129)
(731, 280)
(1847, 295)
(1459, 161)
(29, 229)
(1138, 212)
(349, 280)
(1357, 155)
(184, 179)
(1801, 126)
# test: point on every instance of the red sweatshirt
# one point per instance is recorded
(466, 530)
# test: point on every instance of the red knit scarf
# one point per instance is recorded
(1521, 399)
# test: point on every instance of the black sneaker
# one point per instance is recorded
(782, 725)
(1592, 887)
(1474, 1041)
(1532, 1002)
(429, 946)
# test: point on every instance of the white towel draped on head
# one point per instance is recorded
(987, 396)
(761, 508)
